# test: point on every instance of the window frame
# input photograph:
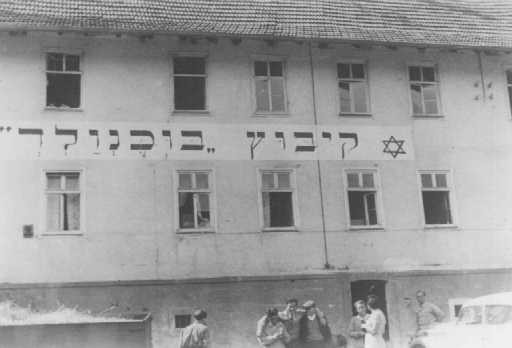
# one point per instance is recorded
(189, 54)
(292, 189)
(65, 52)
(44, 204)
(213, 208)
(269, 59)
(508, 89)
(378, 197)
(436, 82)
(352, 111)
(451, 196)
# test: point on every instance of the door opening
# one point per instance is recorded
(360, 289)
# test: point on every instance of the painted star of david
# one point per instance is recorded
(398, 148)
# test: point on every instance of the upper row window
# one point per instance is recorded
(63, 88)
(63, 80)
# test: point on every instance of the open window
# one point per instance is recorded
(195, 201)
(363, 198)
(277, 192)
(435, 191)
(63, 80)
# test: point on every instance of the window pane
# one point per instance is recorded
(260, 68)
(189, 65)
(343, 71)
(53, 181)
(71, 212)
(266, 209)
(72, 181)
(359, 94)
(344, 89)
(368, 180)
(281, 209)
(277, 90)
(185, 181)
(417, 106)
(186, 202)
(358, 71)
(262, 100)
(441, 180)
(436, 205)
(202, 180)
(189, 93)
(53, 213)
(430, 97)
(498, 314)
(356, 208)
(276, 68)
(428, 74)
(414, 73)
(510, 96)
(72, 62)
(268, 180)
(283, 180)
(353, 179)
(63, 90)
(203, 210)
(509, 77)
(54, 61)
(471, 315)
(371, 209)
(426, 180)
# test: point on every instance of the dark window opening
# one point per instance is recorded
(63, 90)
(189, 83)
(278, 209)
(436, 205)
(362, 207)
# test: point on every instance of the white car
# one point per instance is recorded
(483, 322)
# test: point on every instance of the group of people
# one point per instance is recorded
(306, 326)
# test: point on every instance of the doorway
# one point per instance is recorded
(360, 289)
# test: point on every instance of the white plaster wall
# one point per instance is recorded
(130, 209)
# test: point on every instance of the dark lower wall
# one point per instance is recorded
(234, 305)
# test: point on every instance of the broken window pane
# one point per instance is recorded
(63, 90)
(344, 71)
(189, 93)
(189, 65)
(278, 209)
(186, 209)
(436, 205)
(260, 68)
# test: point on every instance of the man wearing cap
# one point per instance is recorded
(314, 329)
(196, 335)
(291, 317)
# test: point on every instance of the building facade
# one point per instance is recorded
(170, 171)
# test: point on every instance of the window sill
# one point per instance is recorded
(426, 116)
(62, 234)
(271, 114)
(280, 229)
(183, 231)
(355, 114)
(56, 108)
(441, 227)
(191, 112)
(366, 228)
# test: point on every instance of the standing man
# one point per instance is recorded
(196, 335)
(314, 329)
(291, 317)
(427, 313)
(355, 329)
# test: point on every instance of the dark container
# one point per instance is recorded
(134, 333)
